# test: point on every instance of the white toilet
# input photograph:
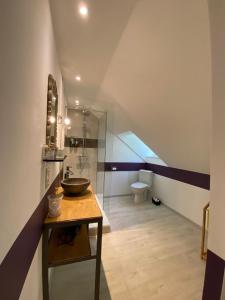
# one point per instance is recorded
(142, 186)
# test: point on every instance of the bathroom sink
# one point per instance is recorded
(75, 186)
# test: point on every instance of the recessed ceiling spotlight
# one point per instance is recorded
(83, 10)
(78, 78)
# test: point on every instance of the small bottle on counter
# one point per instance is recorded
(54, 204)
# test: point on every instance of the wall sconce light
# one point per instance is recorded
(67, 121)
(52, 119)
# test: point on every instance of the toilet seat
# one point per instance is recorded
(139, 185)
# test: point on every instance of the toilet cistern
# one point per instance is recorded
(144, 184)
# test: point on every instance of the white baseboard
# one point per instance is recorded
(121, 195)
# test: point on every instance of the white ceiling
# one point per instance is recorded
(148, 63)
(86, 46)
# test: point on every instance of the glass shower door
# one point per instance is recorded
(102, 116)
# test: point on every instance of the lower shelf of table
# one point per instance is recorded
(79, 250)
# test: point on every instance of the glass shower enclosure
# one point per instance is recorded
(85, 146)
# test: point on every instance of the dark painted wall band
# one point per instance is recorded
(124, 166)
(80, 142)
(16, 264)
(214, 276)
(194, 178)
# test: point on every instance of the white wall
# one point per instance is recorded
(186, 199)
(158, 83)
(217, 206)
(28, 55)
(118, 183)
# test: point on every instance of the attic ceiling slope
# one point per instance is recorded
(159, 79)
(86, 46)
(151, 60)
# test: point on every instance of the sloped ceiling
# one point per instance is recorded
(86, 46)
(152, 73)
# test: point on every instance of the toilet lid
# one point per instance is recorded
(139, 185)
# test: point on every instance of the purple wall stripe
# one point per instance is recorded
(16, 264)
(124, 166)
(194, 178)
(80, 142)
(214, 274)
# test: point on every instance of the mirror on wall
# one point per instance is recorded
(52, 110)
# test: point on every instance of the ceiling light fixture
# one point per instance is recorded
(83, 10)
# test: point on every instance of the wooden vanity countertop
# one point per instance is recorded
(78, 208)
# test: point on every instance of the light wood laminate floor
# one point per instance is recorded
(152, 253)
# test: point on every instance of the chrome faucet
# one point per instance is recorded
(68, 172)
